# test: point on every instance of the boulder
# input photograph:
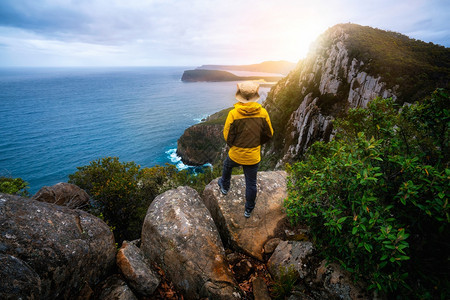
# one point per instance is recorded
(260, 291)
(180, 236)
(337, 283)
(64, 194)
(66, 248)
(290, 256)
(248, 234)
(271, 245)
(19, 281)
(136, 269)
(115, 288)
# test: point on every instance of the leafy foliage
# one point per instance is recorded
(376, 197)
(13, 186)
(123, 191)
(114, 186)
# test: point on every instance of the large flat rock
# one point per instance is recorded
(248, 235)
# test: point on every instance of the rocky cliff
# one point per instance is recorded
(348, 66)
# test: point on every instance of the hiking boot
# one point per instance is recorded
(247, 213)
(222, 189)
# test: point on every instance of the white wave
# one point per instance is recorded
(201, 119)
(176, 160)
(172, 155)
(182, 166)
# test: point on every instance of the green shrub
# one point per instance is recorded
(123, 191)
(13, 186)
(114, 187)
(376, 197)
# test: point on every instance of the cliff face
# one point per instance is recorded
(342, 71)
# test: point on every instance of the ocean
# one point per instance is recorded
(54, 120)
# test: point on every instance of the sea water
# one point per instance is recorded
(53, 120)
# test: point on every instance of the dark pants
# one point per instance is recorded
(250, 172)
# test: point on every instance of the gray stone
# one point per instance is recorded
(248, 234)
(64, 194)
(66, 248)
(114, 288)
(19, 281)
(338, 283)
(180, 236)
(137, 270)
(290, 255)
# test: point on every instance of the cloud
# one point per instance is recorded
(198, 31)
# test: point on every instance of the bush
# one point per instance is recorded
(376, 197)
(114, 187)
(123, 191)
(13, 186)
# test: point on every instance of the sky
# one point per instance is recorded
(61, 33)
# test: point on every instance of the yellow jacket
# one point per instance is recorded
(247, 127)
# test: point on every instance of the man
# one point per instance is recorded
(247, 127)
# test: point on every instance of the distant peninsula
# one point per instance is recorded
(269, 71)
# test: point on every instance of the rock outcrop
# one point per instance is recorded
(337, 283)
(136, 269)
(51, 251)
(248, 235)
(115, 288)
(180, 236)
(18, 279)
(65, 194)
(290, 255)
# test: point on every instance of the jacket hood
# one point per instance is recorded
(248, 109)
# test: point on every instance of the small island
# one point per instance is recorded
(269, 72)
